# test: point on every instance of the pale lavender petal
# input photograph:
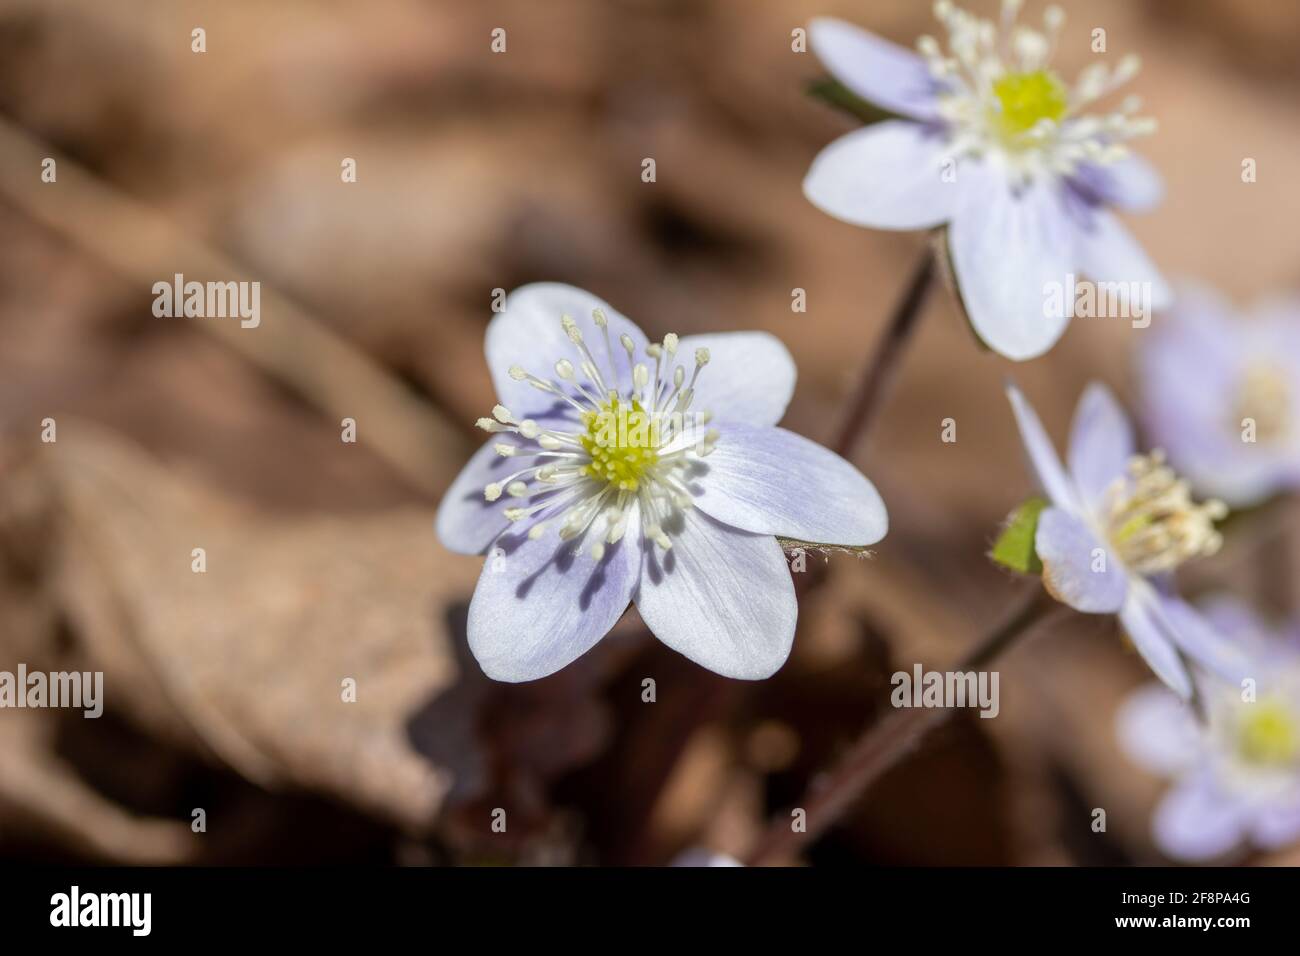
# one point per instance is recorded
(1101, 443)
(1013, 252)
(1048, 470)
(890, 175)
(539, 605)
(1077, 569)
(1277, 824)
(1154, 644)
(772, 481)
(1158, 731)
(750, 376)
(721, 596)
(528, 333)
(1131, 184)
(1120, 267)
(1239, 623)
(1191, 365)
(1196, 821)
(467, 522)
(884, 73)
(1197, 638)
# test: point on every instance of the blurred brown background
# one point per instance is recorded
(478, 171)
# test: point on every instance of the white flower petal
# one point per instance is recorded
(539, 606)
(1109, 254)
(1197, 821)
(1047, 466)
(884, 73)
(1101, 442)
(1198, 639)
(1131, 184)
(1154, 644)
(886, 176)
(1013, 253)
(467, 522)
(750, 376)
(1068, 550)
(772, 481)
(1277, 824)
(1158, 731)
(721, 597)
(528, 333)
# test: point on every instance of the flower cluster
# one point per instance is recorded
(624, 471)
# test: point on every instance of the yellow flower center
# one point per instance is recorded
(1264, 397)
(1026, 100)
(1152, 520)
(622, 439)
(1269, 734)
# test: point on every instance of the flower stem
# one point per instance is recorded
(884, 743)
(864, 406)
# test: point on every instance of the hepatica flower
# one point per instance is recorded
(1237, 773)
(624, 470)
(991, 142)
(1221, 393)
(1115, 527)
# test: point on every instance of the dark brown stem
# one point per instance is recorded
(884, 743)
(864, 406)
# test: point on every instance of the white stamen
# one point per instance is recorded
(594, 480)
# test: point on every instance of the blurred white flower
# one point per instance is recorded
(1237, 775)
(1221, 394)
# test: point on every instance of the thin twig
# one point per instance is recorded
(864, 406)
(863, 409)
(884, 743)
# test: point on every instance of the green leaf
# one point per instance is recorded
(834, 93)
(1015, 545)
